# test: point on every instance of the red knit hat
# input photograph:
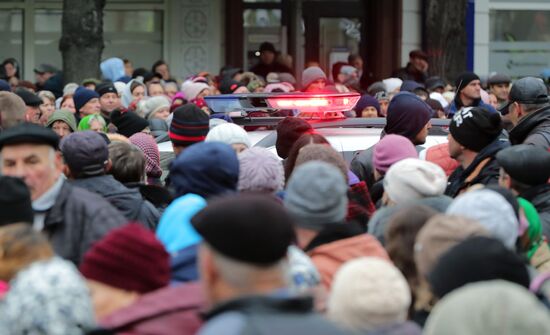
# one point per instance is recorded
(130, 258)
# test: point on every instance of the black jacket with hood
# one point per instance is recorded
(533, 129)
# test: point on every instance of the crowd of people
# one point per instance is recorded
(101, 234)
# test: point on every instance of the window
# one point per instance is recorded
(519, 41)
(11, 34)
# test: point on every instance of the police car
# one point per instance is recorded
(260, 113)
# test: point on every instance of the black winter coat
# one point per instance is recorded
(128, 201)
(77, 220)
(483, 170)
(539, 196)
(533, 129)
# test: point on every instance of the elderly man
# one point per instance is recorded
(32, 102)
(108, 99)
(244, 274)
(71, 217)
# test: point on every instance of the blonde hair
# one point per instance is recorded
(21, 245)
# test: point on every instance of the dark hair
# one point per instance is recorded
(128, 162)
(295, 150)
(353, 57)
(400, 236)
(126, 61)
(15, 64)
(157, 63)
(139, 72)
(336, 67)
(134, 85)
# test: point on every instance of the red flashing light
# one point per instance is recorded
(321, 104)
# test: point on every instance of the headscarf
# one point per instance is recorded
(127, 96)
(534, 231)
(85, 123)
(146, 143)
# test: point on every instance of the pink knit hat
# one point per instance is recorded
(390, 150)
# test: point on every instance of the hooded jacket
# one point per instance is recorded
(456, 105)
(180, 238)
(539, 196)
(337, 244)
(128, 201)
(483, 170)
(533, 129)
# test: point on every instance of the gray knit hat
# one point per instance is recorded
(312, 74)
(316, 195)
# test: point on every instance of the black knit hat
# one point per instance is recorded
(15, 201)
(253, 229)
(475, 127)
(289, 131)
(106, 87)
(464, 79)
(527, 164)
(128, 123)
(189, 125)
(29, 133)
(477, 259)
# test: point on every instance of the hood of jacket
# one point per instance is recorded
(530, 123)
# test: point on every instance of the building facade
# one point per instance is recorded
(198, 35)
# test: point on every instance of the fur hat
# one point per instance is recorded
(228, 133)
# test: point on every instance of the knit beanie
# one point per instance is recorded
(324, 153)
(207, 169)
(489, 307)
(413, 179)
(129, 258)
(475, 128)
(477, 259)
(364, 102)
(316, 195)
(464, 79)
(392, 84)
(390, 150)
(191, 89)
(4, 86)
(368, 293)
(64, 115)
(228, 85)
(106, 87)
(407, 115)
(260, 171)
(127, 122)
(147, 144)
(154, 104)
(438, 235)
(228, 133)
(312, 74)
(288, 132)
(189, 125)
(492, 211)
(81, 97)
(15, 201)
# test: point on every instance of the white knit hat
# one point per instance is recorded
(368, 293)
(191, 89)
(260, 171)
(392, 84)
(412, 179)
(228, 133)
(154, 104)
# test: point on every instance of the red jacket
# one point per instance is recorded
(166, 311)
(439, 154)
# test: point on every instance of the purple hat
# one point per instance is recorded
(390, 150)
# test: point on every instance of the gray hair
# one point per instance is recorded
(48, 95)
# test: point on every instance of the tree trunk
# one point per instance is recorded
(444, 30)
(81, 41)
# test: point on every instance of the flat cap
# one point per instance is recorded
(43, 68)
(527, 164)
(28, 97)
(28, 133)
(498, 78)
(528, 90)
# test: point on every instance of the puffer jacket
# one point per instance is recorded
(339, 243)
(128, 201)
(77, 220)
